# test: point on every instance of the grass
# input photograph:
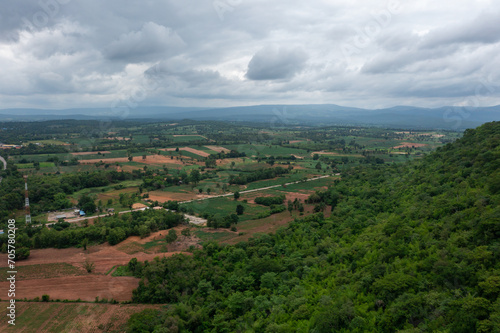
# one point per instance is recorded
(70, 317)
(188, 138)
(223, 207)
(122, 271)
(49, 142)
(219, 236)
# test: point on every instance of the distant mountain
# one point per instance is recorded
(457, 118)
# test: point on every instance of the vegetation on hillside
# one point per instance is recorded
(409, 248)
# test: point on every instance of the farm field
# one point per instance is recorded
(212, 173)
(70, 317)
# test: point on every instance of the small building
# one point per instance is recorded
(76, 212)
(63, 216)
(111, 210)
(82, 213)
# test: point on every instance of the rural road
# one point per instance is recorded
(257, 189)
(4, 163)
(195, 219)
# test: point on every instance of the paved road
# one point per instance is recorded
(257, 189)
(4, 163)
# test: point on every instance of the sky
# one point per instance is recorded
(214, 53)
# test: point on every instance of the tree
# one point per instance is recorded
(208, 191)
(186, 232)
(236, 195)
(87, 204)
(240, 209)
(318, 166)
(85, 242)
(195, 176)
(171, 236)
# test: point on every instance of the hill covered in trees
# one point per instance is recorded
(408, 248)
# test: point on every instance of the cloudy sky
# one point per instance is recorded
(76, 53)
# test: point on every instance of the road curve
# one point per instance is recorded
(4, 163)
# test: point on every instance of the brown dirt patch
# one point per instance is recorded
(196, 151)
(86, 288)
(189, 149)
(161, 196)
(218, 149)
(296, 141)
(410, 145)
(91, 153)
(138, 206)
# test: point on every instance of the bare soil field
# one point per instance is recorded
(138, 206)
(218, 149)
(410, 145)
(86, 288)
(76, 283)
(91, 153)
(70, 317)
(161, 196)
(189, 149)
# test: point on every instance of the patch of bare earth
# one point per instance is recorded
(90, 285)
(162, 196)
(218, 149)
(409, 145)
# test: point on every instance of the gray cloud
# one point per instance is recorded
(152, 42)
(92, 53)
(274, 63)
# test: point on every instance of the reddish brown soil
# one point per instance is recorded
(161, 196)
(138, 206)
(218, 149)
(410, 145)
(87, 288)
(189, 149)
(97, 283)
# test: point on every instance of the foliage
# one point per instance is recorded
(410, 247)
(112, 229)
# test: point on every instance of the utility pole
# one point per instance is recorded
(28, 214)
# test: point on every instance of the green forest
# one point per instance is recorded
(409, 247)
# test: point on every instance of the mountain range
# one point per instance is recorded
(448, 117)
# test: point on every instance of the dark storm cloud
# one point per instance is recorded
(273, 63)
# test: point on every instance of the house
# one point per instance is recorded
(76, 212)
(82, 213)
(111, 210)
(63, 216)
